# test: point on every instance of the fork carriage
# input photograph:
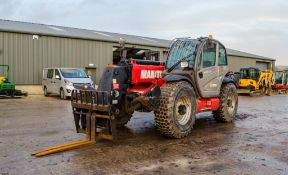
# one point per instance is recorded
(92, 114)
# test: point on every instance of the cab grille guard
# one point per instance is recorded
(93, 97)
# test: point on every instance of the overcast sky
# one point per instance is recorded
(255, 26)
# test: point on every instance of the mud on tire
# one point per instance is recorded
(167, 117)
(228, 104)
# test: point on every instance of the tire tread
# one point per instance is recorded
(163, 120)
(222, 115)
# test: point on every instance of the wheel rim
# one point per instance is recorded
(231, 103)
(183, 109)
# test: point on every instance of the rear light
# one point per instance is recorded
(116, 86)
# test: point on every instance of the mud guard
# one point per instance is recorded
(230, 79)
(174, 78)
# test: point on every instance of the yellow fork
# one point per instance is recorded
(91, 135)
(62, 147)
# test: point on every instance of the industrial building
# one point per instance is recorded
(30, 47)
(238, 59)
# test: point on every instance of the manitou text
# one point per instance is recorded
(150, 74)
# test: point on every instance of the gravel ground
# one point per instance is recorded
(256, 143)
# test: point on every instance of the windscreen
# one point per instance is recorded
(278, 77)
(286, 78)
(249, 73)
(4, 69)
(73, 73)
(180, 49)
(244, 74)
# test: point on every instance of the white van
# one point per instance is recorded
(61, 81)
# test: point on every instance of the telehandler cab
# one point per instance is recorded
(194, 79)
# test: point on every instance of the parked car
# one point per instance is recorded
(62, 81)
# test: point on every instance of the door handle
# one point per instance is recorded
(200, 74)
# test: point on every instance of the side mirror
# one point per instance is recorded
(57, 77)
(184, 64)
(90, 77)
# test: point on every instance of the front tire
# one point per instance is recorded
(176, 116)
(228, 104)
(45, 92)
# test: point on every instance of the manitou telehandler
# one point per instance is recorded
(194, 79)
(280, 82)
(253, 81)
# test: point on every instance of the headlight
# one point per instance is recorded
(68, 83)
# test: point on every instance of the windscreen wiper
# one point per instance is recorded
(178, 62)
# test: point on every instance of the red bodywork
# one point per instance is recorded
(146, 77)
(207, 104)
(279, 86)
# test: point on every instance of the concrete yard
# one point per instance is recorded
(256, 143)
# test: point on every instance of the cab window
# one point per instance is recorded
(222, 59)
(209, 54)
(57, 72)
(50, 73)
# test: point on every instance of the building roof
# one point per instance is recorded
(69, 32)
(233, 52)
(281, 68)
(60, 31)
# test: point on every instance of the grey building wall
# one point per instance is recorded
(1, 52)
(236, 62)
(27, 56)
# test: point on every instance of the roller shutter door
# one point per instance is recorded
(262, 65)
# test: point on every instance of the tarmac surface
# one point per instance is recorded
(256, 143)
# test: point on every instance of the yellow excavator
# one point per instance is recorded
(253, 81)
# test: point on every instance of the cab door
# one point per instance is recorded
(57, 82)
(50, 81)
(222, 62)
(208, 72)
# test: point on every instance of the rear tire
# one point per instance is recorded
(228, 104)
(12, 93)
(176, 116)
(123, 117)
(62, 94)
(123, 120)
